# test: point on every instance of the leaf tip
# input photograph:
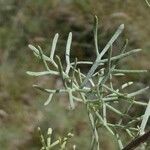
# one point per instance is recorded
(121, 26)
(30, 46)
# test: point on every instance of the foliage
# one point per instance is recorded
(147, 3)
(48, 144)
(96, 90)
(33, 21)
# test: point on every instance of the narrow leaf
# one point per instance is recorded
(71, 99)
(42, 73)
(145, 119)
(138, 92)
(54, 43)
(49, 99)
(68, 46)
(95, 34)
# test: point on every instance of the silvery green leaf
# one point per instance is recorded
(43, 89)
(95, 34)
(54, 43)
(138, 92)
(37, 53)
(145, 119)
(148, 3)
(72, 105)
(50, 72)
(68, 47)
(126, 84)
(33, 48)
(49, 99)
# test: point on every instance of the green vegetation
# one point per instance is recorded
(96, 90)
(34, 22)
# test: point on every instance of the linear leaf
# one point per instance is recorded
(71, 99)
(54, 43)
(42, 73)
(95, 34)
(145, 118)
(68, 46)
(49, 99)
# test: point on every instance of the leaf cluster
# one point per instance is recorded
(96, 90)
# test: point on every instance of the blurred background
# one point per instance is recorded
(24, 22)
